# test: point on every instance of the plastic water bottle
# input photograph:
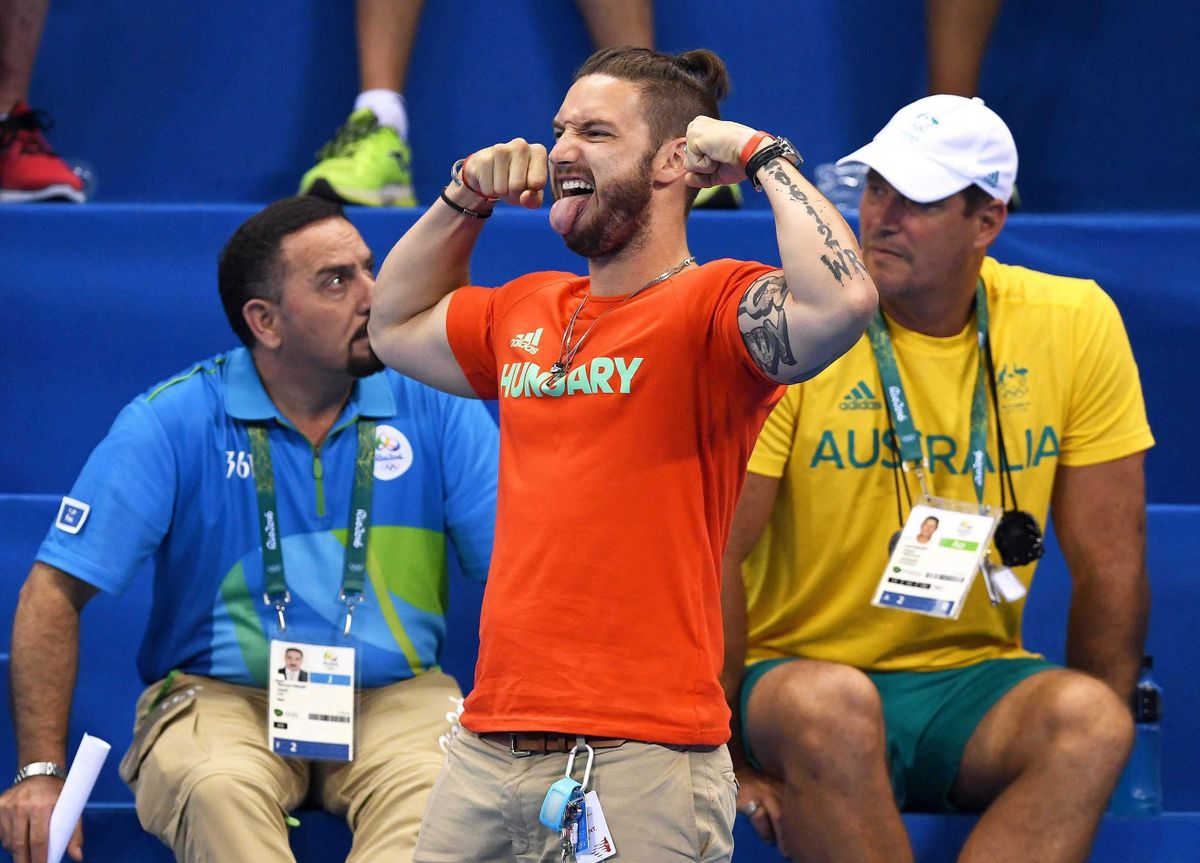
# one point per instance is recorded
(87, 175)
(1139, 790)
(842, 185)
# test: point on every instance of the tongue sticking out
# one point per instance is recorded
(566, 211)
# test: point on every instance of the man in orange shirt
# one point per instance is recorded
(629, 402)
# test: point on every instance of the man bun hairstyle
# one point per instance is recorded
(676, 88)
(249, 266)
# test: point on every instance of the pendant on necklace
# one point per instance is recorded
(558, 368)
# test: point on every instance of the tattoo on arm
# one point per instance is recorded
(839, 261)
(764, 325)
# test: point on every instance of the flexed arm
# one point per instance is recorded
(408, 311)
(797, 320)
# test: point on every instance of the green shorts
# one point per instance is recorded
(929, 717)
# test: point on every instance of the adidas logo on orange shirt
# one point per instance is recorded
(527, 342)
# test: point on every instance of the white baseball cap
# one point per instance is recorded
(939, 145)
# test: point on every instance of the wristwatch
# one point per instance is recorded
(781, 148)
(40, 768)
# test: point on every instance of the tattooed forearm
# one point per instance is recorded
(839, 261)
(764, 326)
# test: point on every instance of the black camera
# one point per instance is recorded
(1018, 538)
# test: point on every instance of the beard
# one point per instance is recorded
(622, 218)
(360, 366)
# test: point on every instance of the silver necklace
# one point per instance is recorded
(566, 354)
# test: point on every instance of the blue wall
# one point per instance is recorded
(181, 101)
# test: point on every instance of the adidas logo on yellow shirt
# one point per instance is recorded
(860, 399)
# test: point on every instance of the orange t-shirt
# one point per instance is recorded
(602, 613)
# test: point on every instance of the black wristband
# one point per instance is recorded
(780, 148)
(464, 211)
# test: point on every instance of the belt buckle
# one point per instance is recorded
(512, 747)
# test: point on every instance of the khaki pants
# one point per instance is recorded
(208, 787)
(662, 805)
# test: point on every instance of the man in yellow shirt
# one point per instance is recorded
(980, 385)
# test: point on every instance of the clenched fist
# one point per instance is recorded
(515, 172)
(714, 149)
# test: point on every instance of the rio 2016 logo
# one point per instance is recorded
(393, 453)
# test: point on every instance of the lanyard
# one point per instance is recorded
(354, 567)
(907, 437)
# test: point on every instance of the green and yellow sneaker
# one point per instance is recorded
(719, 198)
(365, 163)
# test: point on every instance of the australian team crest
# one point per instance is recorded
(1012, 385)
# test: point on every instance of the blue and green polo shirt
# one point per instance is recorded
(172, 480)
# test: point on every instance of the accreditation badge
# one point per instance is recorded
(939, 551)
(311, 700)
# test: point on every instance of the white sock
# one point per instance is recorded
(388, 107)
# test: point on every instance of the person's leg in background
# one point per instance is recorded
(819, 727)
(29, 169)
(616, 23)
(204, 781)
(21, 23)
(1041, 766)
(957, 33)
(383, 792)
(369, 161)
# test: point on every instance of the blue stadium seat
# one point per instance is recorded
(112, 835)
(136, 301)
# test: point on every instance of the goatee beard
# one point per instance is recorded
(361, 367)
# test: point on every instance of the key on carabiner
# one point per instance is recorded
(568, 847)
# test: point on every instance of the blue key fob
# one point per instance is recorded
(554, 807)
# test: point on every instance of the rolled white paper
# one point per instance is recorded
(81, 778)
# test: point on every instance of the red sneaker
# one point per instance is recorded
(29, 169)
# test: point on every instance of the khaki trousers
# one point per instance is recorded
(662, 805)
(207, 786)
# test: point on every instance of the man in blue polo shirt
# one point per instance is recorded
(294, 470)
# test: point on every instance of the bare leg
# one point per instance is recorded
(386, 32)
(21, 23)
(1046, 758)
(819, 727)
(957, 33)
(614, 23)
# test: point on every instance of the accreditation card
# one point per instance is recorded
(936, 558)
(311, 701)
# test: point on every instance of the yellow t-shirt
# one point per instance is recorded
(1069, 394)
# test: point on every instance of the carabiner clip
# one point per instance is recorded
(350, 601)
(281, 604)
(587, 769)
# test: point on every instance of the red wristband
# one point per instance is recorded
(751, 146)
(462, 178)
